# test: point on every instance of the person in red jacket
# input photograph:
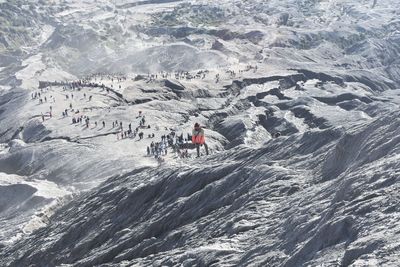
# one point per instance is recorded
(198, 138)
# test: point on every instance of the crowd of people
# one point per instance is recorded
(179, 144)
(157, 149)
(42, 99)
(106, 82)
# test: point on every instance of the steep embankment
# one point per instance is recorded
(324, 74)
(313, 198)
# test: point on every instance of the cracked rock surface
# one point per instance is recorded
(323, 75)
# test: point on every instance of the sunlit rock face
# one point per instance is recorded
(299, 102)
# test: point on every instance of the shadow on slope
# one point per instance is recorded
(274, 204)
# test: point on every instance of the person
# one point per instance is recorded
(160, 160)
(198, 138)
(152, 148)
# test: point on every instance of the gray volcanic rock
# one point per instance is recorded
(174, 86)
(98, 100)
